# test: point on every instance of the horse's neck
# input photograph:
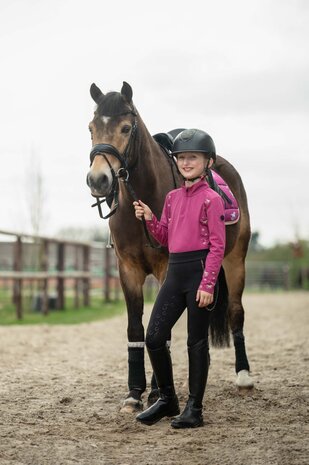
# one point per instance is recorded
(150, 177)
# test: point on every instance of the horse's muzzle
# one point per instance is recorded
(100, 186)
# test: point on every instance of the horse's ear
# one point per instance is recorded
(96, 93)
(127, 92)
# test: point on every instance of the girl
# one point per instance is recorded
(192, 227)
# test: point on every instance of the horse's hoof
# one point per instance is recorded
(131, 405)
(244, 380)
(153, 397)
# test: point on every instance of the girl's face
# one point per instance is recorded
(192, 164)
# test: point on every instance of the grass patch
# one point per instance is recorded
(99, 310)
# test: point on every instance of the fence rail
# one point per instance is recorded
(39, 275)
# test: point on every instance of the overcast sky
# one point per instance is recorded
(237, 69)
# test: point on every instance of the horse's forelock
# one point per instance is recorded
(112, 103)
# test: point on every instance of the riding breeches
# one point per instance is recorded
(177, 293)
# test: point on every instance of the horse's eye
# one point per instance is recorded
(126, 129)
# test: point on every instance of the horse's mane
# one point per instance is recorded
(112, 104)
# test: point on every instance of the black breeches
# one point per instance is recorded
(178, 292)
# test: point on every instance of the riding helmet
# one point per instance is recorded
(194, 140)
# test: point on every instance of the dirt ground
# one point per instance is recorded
(61, 388)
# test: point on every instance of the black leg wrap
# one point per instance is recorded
(240, 352)
(137, 378)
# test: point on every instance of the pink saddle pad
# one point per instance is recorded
(232, 213)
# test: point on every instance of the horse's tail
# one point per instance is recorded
(219, 323)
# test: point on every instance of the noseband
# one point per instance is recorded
(111, 150)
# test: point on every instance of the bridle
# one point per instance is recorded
(122, 174)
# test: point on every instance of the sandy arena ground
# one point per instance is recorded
(61, 388)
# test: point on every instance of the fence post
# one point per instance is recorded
(17, 290)
(286, 277)
(60, 279)
(44, 267)
(76, 281)
(86, 267)
(106, 275)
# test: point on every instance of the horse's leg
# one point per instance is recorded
(132, 280)
(234, 266)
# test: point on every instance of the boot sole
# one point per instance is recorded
(152, 422)
(186, 425)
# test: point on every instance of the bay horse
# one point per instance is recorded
(124, 150)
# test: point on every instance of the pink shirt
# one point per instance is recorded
(193, 219)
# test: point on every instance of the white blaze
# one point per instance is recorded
(105, 119)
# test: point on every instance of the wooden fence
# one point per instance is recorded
(26, 258)
(59, 267)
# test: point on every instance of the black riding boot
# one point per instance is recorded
(167, 404)
(192, 416)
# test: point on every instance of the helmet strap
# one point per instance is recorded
(207, 168)
(201, 176)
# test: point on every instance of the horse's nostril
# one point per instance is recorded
(104, 179)
(100, 183)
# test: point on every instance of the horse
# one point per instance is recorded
(127, 163)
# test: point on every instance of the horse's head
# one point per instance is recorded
(112, 131)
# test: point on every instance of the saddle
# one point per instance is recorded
(232, 213)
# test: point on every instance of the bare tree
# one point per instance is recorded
(35, 194)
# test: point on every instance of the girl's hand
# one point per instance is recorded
(204, 298)
(142, 210)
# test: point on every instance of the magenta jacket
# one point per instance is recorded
(193, 219)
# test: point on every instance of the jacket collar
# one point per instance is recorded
(196, 186)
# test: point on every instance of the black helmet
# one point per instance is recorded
(194, 140)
